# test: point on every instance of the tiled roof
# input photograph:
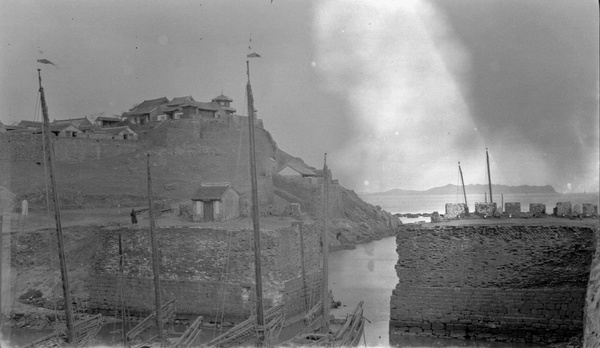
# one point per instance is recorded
(75, 121)
(223, 97)
(201, 106)
(106, 118)
(210, 192)
(33, 124)
(299, 167)
(61, 126)
(147, 106)
(180, 100)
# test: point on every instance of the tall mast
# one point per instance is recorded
(463, 184)
(155, 260)
(260, 317)
(59, 235)
(325, 286)
(489, 175)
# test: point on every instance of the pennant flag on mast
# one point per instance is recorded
(253, 55)
(46, 61)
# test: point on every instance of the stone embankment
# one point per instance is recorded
(507, 283)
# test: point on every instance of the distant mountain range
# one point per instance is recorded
(470, 189)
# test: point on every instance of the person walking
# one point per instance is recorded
(133, 217)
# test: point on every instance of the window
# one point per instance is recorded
(177, 115)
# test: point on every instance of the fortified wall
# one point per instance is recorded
(506, 283)
(207, 271)
(23, 146)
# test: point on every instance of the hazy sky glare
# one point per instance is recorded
(397, 92)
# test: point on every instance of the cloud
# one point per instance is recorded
(398, 66)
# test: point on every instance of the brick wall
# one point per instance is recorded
(511, 283)
(202, 267)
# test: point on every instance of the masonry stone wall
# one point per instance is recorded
(27, 147)
(537, 208)
(591, 335)
(509, 283)
(485, 208)
(563, 208)
(456, 210)
(588, 209)
(512, 208)
(201, 267)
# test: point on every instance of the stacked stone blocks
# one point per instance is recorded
(485, 209)
(509, 283)
(203, 267)
(456, 210)
(512, 208)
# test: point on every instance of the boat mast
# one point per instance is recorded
(260, 318)
(55, 199)
(155, 259)
(489, 175)
(326, 302)
(463, 184)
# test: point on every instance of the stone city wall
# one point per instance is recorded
(510, 283)
(537, 208)
(512, 208)
(591, 335)
(456, 210)
(563, 208)
(485, 208)
(22, 146)
(195, 261)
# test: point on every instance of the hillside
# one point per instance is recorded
(453, 189)
(182, 155)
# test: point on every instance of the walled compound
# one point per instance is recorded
(508, 283)
(208, 271)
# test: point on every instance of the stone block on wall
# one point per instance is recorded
(512, 208)
(486, 209)
(563, 209)
(456, 210)
(537, 208)
(588, 209)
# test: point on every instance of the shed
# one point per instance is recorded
(215, 202)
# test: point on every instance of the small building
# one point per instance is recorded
(296, 169)
(120, 133)
(33, 125)
(144, 112)
(65, 130)
(215, 202)
(77, 122)
(104, 121)
(223, 102)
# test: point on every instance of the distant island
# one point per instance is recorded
(470, 189)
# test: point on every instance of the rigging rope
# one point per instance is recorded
(224, 276)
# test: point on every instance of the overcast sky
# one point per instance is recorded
(396, 92)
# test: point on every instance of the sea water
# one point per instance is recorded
(429, 203)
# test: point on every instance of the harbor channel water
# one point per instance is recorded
(367, 273)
